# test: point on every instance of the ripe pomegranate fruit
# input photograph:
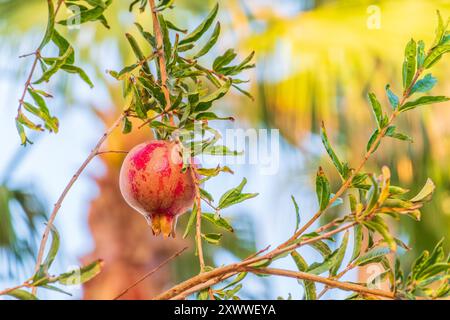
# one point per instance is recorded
(151, 181)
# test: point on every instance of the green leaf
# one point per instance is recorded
(378, 225)
(210, 43)
(202, 28)
(138, 106)
(372, 140)
(191, 221)
(376, 108)
(235, 195)
(425, 84)
(211, 116)
(425, 193)
(88, 15)
(62, 45)
(372, 256)
(409, 65)
(154, 90)
(21, 130)
(54, 288)
(45, 266)
(147, 36)
(357, 241)
(397, 135)
(127, 125)
(59, 62)
(236, 280)
(82, 275)
(309, 286)
(339, 257)
(50, 24)
(51, 123)
(224, 59)
(392, 97)
(73, 69)
(172, 26)
(218, 221)
(322, 189)
(22, 294)
(423, 101)
(440, 30)
(205, 102)
(420, 54)
(21, 118)
(433, 270)
(212, 238)
(138, 52)
(341, 168)
(297, 213)
(167, 45)
(436, 55)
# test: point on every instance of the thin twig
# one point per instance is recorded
(198, 224)
(161, 58)
(148, 274)
(61, 198)
(8, 290)
(110, 151)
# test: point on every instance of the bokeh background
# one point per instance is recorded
(316, 60)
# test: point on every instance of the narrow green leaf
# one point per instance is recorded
(191, 221)
(339, 257)
(235, 195)
(372, 256)
(297, 213)
(436, 55)
(420, 54)
(376, 108)
(127, 125)
(79, 71)
(357, 241)
(392, 97)
(425, 193)
(50, 24)
(205, 102)
(334, 158)
(425, 84)
(224, 59)
(409, 65)
(202, 28)
(212, 238)
(423, 101)
(59, 62)
(138, 52)
(322, 189)
(22, 295)
(309, 286)
(210, 43)
(81, 275)
(217, 221)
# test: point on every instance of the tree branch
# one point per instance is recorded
(202, 279)
(329, 282)
(161, 59)
(61, 198)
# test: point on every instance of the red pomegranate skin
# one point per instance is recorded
(151, 181)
